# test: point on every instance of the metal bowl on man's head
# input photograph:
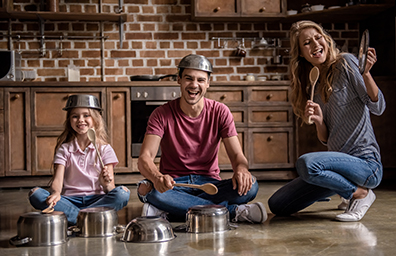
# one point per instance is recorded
(82, 101)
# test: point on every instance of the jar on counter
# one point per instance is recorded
(250, 77)
(306, 8)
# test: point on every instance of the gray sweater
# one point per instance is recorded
(347, 113)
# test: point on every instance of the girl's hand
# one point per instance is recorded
(106, 175)
(371, 60)
(314, 111)
(53, 198)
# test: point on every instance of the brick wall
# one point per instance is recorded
(157, 34)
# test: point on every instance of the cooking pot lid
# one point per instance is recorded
(363, 48)
(97, 209)
(42, 215)
(208, 210)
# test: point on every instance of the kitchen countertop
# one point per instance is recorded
(135, 83)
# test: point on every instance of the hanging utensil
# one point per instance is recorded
(49, 209)
(208, 188)
(363, 48)
(313, 78)
(92, 137)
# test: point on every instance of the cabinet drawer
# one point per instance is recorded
(219, 8)
(269, 95)
(47, 106)
(271, 148)
(226, 96)
(260, 7)
(240, 115)
(270, 116)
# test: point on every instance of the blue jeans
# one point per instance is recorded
(323, 174)
(178, 200)
(117, 199)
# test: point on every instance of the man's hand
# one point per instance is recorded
(242, 179)
(163, 183)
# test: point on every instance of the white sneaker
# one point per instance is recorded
(357, 208)
(151, 210)
(344, 204)
(254, 213)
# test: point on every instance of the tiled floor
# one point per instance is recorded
(311, 232)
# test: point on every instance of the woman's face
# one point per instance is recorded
(313, 46)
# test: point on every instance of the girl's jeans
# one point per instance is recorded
(178, 200)
(71, 205)
(323, 174)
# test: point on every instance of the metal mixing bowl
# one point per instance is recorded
(97, 222)
(148, 229)
(207, 218)
(82, 101)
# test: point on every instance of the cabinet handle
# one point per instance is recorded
(216, 9)
(117, 96)
(270, 138)
(15, 97)
(262, 9)
(270, 96)
(269, 117)
(222, 97)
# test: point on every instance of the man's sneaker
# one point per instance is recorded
(357, 208)
(254, 213)
(344, 204)
(151, 210)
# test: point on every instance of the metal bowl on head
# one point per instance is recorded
(82, 101)
(148, 229)
(207, 218)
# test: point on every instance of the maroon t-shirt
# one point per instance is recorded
(190, 145)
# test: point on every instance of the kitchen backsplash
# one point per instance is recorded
(156, 35)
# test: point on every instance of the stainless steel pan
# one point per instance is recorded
(363, 48)
(151, 77)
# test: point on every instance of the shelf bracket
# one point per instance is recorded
(42, 37)
(121, 30)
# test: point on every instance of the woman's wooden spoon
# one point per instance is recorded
(92, 137)
(49, 209)
(208, 188)
(313, 78)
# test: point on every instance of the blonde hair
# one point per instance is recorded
(300, 67)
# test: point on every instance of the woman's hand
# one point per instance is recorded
(313, 111)
(371, 60)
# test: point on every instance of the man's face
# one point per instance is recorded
(193, 84)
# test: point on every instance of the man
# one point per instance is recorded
(189, 130)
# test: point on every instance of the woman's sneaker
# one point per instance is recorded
(254, 213)
(357, 208)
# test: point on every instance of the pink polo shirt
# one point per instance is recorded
(81, 177)
(190, 145)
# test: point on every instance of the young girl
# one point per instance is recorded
(343, 101)
(79, 180)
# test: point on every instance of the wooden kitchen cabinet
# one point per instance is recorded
(231, 9)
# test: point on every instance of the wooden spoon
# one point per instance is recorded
(49, 209)
(208, 188)
(313, 78)
(92, 137)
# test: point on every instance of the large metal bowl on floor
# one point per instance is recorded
(41, 229)
(148, 229)
(207, 218)
(97, 222)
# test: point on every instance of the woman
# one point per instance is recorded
(343, 101)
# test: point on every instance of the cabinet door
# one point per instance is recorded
(119, 126)
(271, 148)
(17, 132)
(218, 8)
(260, 7)
(2, 172)
(224, 161)
(43, 146)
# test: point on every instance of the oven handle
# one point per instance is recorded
(155, 103)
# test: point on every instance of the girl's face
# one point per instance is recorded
(81, 120)
(313, 46)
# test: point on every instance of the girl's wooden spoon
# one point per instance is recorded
(208, 188)
(49, 209)
(92, 137)
(313, 78)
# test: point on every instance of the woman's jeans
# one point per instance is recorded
(323, 174)
(117, 199)
(178, 200)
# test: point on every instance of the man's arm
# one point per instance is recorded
(242, 178)
(147, 166)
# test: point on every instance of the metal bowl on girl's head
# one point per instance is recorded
(82, 101)
(148, 229)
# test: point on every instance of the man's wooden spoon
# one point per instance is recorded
(49, 209)
(208, 188)
(313, 78)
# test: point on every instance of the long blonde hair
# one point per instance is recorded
(300, 68)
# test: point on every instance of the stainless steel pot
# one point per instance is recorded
(148, 229)
(96, 222)
(38, 229)
(207, 218)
